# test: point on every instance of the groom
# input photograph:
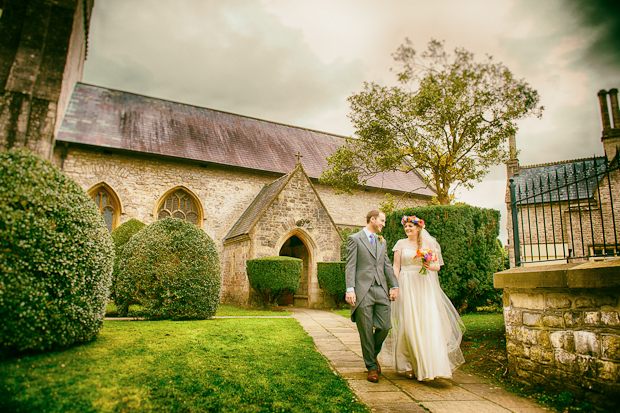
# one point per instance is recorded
(367, 268)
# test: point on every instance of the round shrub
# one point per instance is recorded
(120, 236)
(56, 257)
(171, 268)
(331, 277)
(125, 231)
(274, 277)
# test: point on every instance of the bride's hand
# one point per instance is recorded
(429, 266)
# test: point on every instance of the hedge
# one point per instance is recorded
(56, 257)
(120, 236)
(172, 269)
(469, 245)
(331, 277)
(274, 277)
(125, 231)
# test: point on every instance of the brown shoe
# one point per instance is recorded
(409, 375)
(378, 366)
(373, 376)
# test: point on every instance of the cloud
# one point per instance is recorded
(602, 19)
(230, 56)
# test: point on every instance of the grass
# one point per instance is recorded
(223, 310)
(345, 312)
(235, 311)
(223, 365)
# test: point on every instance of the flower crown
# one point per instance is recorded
(413, 219)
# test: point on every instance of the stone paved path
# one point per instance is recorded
(337, 339)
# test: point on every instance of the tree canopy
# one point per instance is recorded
(449, 118)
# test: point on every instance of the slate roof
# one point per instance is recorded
(563, 181)
(104, 117)
(254, 211)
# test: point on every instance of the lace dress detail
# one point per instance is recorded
(427, 329)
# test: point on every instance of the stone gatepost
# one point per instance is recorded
(563, 328)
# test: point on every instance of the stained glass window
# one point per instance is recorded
(107, 205)
(179, 204)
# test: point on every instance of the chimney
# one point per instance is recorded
(512, 166)
(615, 111)
(611, 135)
(602, 97)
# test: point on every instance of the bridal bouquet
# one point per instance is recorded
(427, 256)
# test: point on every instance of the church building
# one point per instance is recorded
(250, 184)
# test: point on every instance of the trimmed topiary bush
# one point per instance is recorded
(125, 231)
(56, 257)
(468, 239)
(120, 236)
(172, 269)
(274, 277)
(331, 277)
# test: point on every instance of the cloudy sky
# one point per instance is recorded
(297, 61)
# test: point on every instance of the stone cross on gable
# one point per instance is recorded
(299, 156)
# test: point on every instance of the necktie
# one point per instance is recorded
(373, 238)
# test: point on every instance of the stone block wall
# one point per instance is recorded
(42, 55)
(140, 181)
(563, 328)
(235, 286)
(298, 201)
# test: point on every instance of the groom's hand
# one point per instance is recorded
(393, 294)
(350, 297)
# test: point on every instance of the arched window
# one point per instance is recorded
(108, 205)
(179, 204)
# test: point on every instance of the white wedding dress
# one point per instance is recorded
(427, 330)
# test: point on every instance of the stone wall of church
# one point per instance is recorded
(224, 194)
(41, 58)
(235, 285)
(140, 182)
(298, 201)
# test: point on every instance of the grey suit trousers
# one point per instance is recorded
(373, 323)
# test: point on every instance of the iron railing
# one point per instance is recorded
(566, 212)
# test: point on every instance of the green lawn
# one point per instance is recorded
(234, 311)
(222, 365)
(223, 310)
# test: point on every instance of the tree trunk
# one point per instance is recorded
(443, 198)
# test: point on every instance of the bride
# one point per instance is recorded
(427, 329)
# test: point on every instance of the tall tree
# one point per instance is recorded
(449, 118)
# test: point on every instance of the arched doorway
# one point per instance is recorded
(295, 247)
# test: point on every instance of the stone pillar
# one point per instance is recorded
(563, 328)
(42, 55)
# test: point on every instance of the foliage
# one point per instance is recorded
(467, 236)
(224, 365)
(389, 205)
(56, 257)
(449, 119)
(274, 277)
(171, 268)
(120, 236)
(125, 231)
(332, 280)
(343, 246)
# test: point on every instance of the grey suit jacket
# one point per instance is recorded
(363, 264)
